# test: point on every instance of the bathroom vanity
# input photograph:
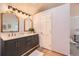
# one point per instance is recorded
(15, 37)
(21, 45)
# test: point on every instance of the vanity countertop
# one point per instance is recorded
(18, 35)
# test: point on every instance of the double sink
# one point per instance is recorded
(9, 36)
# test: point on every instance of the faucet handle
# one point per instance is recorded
(15, 34)
(12, 34)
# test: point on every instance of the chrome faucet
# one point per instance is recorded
(12, 34)
(9, 34)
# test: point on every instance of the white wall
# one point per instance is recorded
(61, 29)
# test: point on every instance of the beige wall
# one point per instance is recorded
(74, 9)
(3, 7)
(74, 12)
(0, 22)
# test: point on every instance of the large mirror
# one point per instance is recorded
(9, 22)
(28, 24)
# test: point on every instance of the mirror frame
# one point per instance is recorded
(25, 25)
(2, 22)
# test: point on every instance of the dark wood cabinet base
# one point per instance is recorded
(18, 46)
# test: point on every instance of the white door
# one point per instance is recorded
(45, 32)
(42, 25)
(38, 27)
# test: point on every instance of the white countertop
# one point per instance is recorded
(5, 36)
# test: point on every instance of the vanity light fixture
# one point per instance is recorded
(9, 7)
(22, 12)
(14, 9)
(18, 10)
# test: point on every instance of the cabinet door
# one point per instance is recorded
(23, 45)
(34, 40)
(20, 46)
(10, 47)
(26, 43)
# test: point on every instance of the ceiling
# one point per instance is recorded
(33, 8)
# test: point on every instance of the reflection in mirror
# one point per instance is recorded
(27, 24)
(9, 22)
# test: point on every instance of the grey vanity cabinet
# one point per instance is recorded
(19, 46)
(35, 41)
(10, 47)
(26, 43)
(22, 46)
